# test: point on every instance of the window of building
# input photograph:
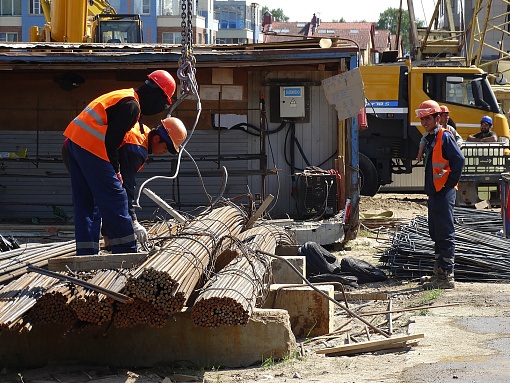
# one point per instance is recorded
(171, 38)
(10, 7)
(35, 7)
(168, 7)
(9, 37)
(143, 7)
(230, 16)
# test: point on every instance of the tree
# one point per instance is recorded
(388, 20)
(278, 14)
(342, 20)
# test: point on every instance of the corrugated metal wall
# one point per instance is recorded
(34, 191)
(318, 138)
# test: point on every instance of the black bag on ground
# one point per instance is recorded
(364, 271)
(318, 259)
(347, 280)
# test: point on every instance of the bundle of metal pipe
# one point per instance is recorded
(14, 263)
(167, 279)
(19, 296)
(94, 307)
(479, 255)
(229, 297)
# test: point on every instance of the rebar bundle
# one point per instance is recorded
(229, 297)
(93, 307)
(479, 255)
(14, 263)
(53, 306)
(19, 296)
(167, 279)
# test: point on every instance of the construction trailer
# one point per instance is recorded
(245, 124)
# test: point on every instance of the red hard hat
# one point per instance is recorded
(165, 81)
(173, 131)
(444, 109)
(427, 108)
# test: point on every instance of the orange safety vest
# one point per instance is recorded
(88, 129)
(440, 167)
(138, 135)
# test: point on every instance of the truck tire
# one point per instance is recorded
(369, 181)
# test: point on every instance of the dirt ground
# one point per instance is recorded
(466, 330)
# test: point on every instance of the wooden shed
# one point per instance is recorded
(44, 86)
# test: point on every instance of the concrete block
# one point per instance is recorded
(283, 273)
(311, 314)
(267, 334)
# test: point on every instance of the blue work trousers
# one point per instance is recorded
(98, 194)
(441, 229)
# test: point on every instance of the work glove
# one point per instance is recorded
(140, 232)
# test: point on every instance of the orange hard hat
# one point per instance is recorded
(427, 108)
(173, 131)
(444, 109)
(165, 81)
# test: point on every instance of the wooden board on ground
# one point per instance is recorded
(96, 262)
(363, 296)
(371, 345)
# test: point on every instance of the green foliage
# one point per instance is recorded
(277, 13)
(388, 20)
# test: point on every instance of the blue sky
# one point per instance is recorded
(328, 10)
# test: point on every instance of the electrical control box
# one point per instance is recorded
(316, 196)
(292, 101)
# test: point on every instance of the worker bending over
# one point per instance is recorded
(443, 166)
(95, 141)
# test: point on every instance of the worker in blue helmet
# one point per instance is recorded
(485, 134)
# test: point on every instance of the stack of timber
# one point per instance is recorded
(229, 297)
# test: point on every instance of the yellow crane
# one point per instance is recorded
(79, 21)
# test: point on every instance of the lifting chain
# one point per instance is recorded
(186, 71)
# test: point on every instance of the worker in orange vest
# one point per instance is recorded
(443, 167)
(94, 141)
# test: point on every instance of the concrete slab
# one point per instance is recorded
(325, 232)
(283, 273)
(311, 314)
(267, 334)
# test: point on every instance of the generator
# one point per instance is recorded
(316, 196)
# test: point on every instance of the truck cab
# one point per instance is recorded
(394, 91)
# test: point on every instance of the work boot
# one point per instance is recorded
(429, 278)
(442, 280)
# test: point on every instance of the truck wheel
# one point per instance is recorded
(369, 183)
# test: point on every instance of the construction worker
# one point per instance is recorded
(444, 121)
(443, 166)
(94, 139)
(485, 134)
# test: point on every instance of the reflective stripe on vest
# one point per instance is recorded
(138, 135)
(88, 129)
(440, 166)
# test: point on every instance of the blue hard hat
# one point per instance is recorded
(487, 119)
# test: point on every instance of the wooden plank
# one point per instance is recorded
(372, 345)
(96, 262)
(363, 296)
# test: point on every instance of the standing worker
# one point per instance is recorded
(443, 166)
(485, 134)
(94, 138)
(444, 121)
